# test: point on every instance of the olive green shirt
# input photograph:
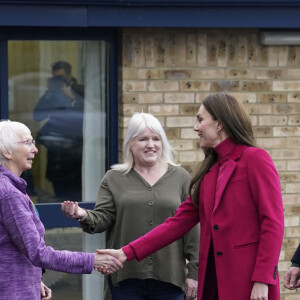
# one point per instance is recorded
(127, 207)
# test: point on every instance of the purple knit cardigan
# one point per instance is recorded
(23, 252)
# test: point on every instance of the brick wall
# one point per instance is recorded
(167, 72)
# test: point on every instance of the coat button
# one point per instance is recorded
(219, 253)
(216, 227)
(150, 203)
(151, 222)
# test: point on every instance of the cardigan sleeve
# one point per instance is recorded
(185, 218)
(21, 226)
(266, 193)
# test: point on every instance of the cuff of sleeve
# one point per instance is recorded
(129, 252)
(192, 267)
(83, 218)
(90, 264)
(267, 274)
(295, 265)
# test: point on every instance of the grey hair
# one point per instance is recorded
(10, 132)
(137, 124)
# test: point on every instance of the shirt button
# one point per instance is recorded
(216, 227)
(219, 253)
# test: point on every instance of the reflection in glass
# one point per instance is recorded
(59, 90)
(61, 109)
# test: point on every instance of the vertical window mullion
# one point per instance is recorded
(3, 78)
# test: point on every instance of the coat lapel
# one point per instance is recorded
(228, 169)
(208, 186)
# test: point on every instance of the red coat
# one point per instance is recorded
(246, 225)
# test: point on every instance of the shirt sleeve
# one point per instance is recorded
(191, 241)
(104, 214)
(21, 223)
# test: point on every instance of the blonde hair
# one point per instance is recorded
(137, 124)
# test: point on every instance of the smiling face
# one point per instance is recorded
(208, 129)
(146, 148)
(21, 157)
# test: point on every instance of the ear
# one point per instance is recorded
(7, 155)
(219, 126)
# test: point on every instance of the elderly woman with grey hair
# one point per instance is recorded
(134, 197)
(23, 252)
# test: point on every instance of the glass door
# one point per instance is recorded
(61, 90)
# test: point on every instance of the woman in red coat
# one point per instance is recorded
(236, 197)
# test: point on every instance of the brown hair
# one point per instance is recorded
(237, 124)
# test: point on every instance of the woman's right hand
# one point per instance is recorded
(118, 254)
(72, 210)
(106, 262)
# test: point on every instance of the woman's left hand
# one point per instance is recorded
(259, 291)
(46, 293)
(191, 286)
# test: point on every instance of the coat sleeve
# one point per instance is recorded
(21, 226)
(185, 218)
(266, 193)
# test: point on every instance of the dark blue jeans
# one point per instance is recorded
(147, 289)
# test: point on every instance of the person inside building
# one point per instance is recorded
(61, 109)
(64, 69)
(134, 197)
(23, 253)
(292, 276)
(236, 197)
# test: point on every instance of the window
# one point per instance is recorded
(62, 83)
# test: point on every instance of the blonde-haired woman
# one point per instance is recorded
(134, 197)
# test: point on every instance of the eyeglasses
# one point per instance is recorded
(27, 143)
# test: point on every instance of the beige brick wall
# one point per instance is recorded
(167, 72)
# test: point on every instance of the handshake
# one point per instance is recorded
(109, 261)
(106, 261)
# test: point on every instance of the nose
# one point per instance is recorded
(150, 143)
(34, 149)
